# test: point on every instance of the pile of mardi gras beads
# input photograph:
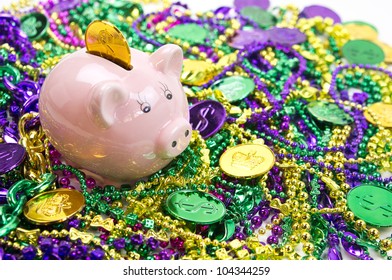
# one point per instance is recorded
(291, 115)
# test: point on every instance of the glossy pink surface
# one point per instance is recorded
(119, 124)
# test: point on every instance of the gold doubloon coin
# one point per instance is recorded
(247, 160)
(358, 31)
(104, 39)
(382, 112)
(54, 206)
(197, 72)
(387, 50)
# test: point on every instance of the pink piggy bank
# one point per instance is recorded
(120, 124)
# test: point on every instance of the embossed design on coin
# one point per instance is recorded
(34, 25)
(363, 52)
(247, 160)
(11, 156)
(204, 207)
(371, 204)
(195, 206)
(207, 117)
(54, 206)
(105, 40)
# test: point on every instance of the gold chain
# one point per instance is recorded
(37, 148)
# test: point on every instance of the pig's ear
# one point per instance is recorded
(168, 59)
(106, 97)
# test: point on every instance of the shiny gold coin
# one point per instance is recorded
(382, 112)
(54, 206)
(387, 49)
(364, 32)
(197, 72)
(104, 39)
(247, 160)
(227, 60)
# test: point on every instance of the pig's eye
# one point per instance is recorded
(168, 94)
(166, 91)
(145, 107)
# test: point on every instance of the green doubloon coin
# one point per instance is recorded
(363, 52)
(263, 18)
(190, 32)
(371, 204)
(195, 206)
(329, 112)
(235, 88)
(34, 25)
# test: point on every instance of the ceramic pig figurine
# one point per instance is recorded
(117, 123)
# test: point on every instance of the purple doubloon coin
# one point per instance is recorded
(322, 11)
(263, 4)
(286, 36)
(244, 38)
(64, 5)
(11, 156)
(207, 117)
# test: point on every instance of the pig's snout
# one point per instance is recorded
(174, 138)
